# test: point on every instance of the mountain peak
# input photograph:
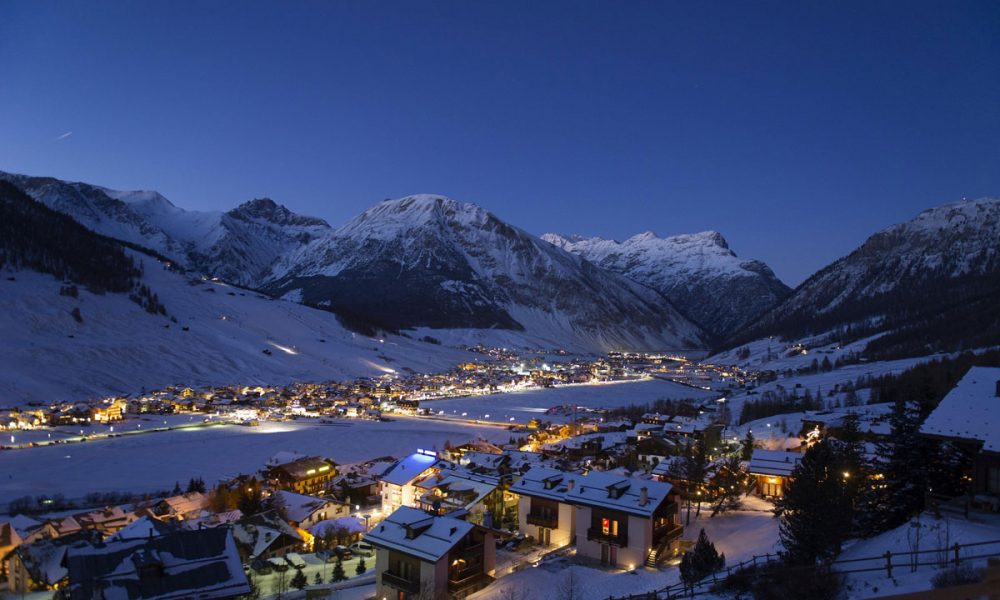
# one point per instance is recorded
(268, 210)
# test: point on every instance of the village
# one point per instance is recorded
(614, 491)
(501, 371)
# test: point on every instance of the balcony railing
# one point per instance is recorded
(596, 534)
(543, 520)
(667, 533)
(399, 582)
(464, 584)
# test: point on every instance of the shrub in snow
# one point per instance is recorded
(960, 575)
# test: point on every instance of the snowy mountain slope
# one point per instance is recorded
(698, 272)
(928, 284)
(423, 261)
(238, 246)
(430, 261)
(118, 347)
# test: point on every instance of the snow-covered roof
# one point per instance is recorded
(458, 489)
(142, 529)
(773, 462)
(416, 533)
(351, 524)
(595, 489)
(970, 411)
(617, 492)
(185, 564)
(299, 507)
(407, 469)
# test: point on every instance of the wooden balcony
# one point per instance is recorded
(463, 584)
(596, 534)
(410, 586)
(667, 533)
(543, 520)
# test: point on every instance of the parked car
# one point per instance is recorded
(262, 567)
(326, 555)
(343, 552)
(362, 549)
(295, 560)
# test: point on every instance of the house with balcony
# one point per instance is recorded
(625, 522)
(542, 510)
(308, 475)
(617, 520)
(398, 480)
(419, 555)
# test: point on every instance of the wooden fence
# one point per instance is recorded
(889, 562)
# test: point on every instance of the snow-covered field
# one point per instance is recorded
(45, 355)
(739, 534)
(522, 406)
(155, 461)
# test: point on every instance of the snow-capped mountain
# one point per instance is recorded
(698, 272)
(928, 284)
(239, 245)
(419, 262)
(430, 261)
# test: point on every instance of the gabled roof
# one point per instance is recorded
(299, 507)
(773, 462)
(418, 534)
(200, 564)
(617, 492)
(142, 529)
(595, 489)
(307, 467)
(405, 470)
(970, 411)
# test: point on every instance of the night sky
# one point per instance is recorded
(796, 128)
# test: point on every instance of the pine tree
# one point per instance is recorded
(318, 579)
(746, 451)
(338, 571)
(818, 508)
(361, 568)
(299, 581)
(728, 486)
(700, 561)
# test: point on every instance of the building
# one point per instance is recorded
(266, 535)
(617, 520)
(41, 566)
(542, 512)
(308, 475)
(398, 479)
(481, 498)
(772, 469)
(426, 556)
(970, 416)
(200, 564)
(625, 522)
(305, 511)
(182, 507)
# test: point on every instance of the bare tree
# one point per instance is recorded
(570, 587)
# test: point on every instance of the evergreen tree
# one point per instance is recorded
(818, 508)
(177, 489)
(746, 451)
(318, 579)
(196, 484)
(362, 567)
(700, 561)
(299, 581)
(338, 571)
(728, 486)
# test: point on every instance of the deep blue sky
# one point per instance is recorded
(795, 128)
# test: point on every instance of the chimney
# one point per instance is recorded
(643, 496)
(572, 482)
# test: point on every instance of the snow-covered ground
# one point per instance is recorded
(938, 534)
(45, 355)
(739, 535)
(522, 406)
(155, 461)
